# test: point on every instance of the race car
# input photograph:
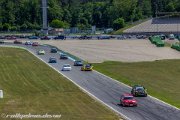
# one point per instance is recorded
(41, 52)
(53, 50)
(138, 90)
(35, 44)
(17, 42)
(87, 67)
(52, 60)
(63, 56)
(28, 43)
(78, 63)
(128, 100)
(66, 67)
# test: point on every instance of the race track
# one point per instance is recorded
(109, 91)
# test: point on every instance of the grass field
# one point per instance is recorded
(129, 25)
(30, 86)
(161, 78)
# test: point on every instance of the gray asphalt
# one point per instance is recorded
(109, 91)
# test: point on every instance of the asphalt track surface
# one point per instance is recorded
(109, 91)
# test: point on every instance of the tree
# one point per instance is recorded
(23, 27)
(6, 26)
(57, 24)
(118, 23)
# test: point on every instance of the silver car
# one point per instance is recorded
(66, 67)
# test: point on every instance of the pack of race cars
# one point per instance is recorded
(127, 99)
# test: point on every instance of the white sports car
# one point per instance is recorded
(66, 67)
(41, 52)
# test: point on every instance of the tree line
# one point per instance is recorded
(26, 14)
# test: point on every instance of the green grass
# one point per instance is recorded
(161, 78)
(129, 25)
(30, 86)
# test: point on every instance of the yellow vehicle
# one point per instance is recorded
(87, 67)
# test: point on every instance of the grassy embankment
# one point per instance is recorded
(161, 78)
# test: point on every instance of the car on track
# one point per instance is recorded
(63, 56)
(41, 52)
(78, 63)
(66, 67)
(45, 38)
(33, 37)
(60, 37)
(54, 50)
(87, 67)
(52, 60)
(28, 43)
(17, 42)
(35, 44)
(1, 41)
(138, 90)
(128, 100)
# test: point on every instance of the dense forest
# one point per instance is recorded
(26, 14)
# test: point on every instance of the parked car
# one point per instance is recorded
(28, 43)
(128, 100)
(85, 37)
(171, 37)
(138, 90)
(63, 56)
(2, 37)
(60, 37)
(163, 37)
(11, 38)
(104, 37)
(35, 44)
(66, 67)
(1, 41)
(52, 60)
(45, 38)
(17, 42)
(33, 37)
(54, 50)
(78, 63)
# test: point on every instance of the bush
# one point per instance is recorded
(57, 24)
(1, 26)
(13, 28)
(6, 26)
(118, 23)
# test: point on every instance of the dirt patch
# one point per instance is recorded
(96, 51)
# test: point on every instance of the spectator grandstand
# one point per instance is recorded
(157, 25)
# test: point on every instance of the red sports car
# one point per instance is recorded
(35, 44)
(128, 100)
